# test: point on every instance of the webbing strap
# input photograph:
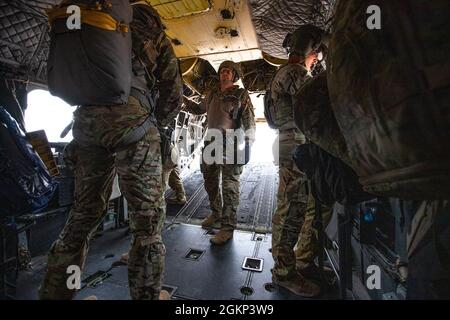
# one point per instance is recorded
(91, 17)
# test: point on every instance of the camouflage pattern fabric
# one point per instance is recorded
(292, 197)
(223, 202)
(171, 178)
(314, 116)
(292, 202)
(217, 98)
(139, 169)
(97, 131)
(307, 249)
(284, 86)
(392, 103)
(162, 71)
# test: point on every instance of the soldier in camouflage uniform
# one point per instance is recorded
(171, 172)
(218, 104)
(171, 177)
(293, 193)
(98, 152)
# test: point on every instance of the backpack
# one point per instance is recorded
(90, 65)
(331, 179)
(269, 109)
(25, 185)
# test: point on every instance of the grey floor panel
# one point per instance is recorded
(217, 274)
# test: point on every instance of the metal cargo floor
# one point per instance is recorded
(217, 274)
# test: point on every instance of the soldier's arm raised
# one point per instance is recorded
(169, 84)
(194, 107)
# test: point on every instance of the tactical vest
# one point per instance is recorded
(278, 109)
(236, 116)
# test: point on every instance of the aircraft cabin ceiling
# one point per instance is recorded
(214, 30)
(273, 19)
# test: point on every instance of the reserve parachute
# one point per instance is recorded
(314, 116)
(390, 92)
(90, 64)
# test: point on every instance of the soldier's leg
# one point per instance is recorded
(211, 175)
(288, 218)
(140, 178)
(286, 224)
(94, 174)
(176, 184)
(166, 172)
(307, 246)
(230, 188)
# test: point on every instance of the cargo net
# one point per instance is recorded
(24, 39)
(274, 19)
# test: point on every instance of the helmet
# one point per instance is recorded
(145, 12)
(304, 40)
(233, 66)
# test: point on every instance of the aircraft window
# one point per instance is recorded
(49, 113)
(265, 148)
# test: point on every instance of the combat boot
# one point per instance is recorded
(222, 237)
(297, 284)
(314, 273)
(177, 200)
(164, 295)
(211, 221)
(124, 258)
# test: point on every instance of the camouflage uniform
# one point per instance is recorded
(293, 188)
(97, 132)
(224, 204)
(171, 177)
(307, 249)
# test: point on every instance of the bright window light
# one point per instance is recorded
(49, 113)
(263, 149)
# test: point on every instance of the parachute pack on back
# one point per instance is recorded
(90, 63)
(269, 109)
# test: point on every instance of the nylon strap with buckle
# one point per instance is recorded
(93, 17)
